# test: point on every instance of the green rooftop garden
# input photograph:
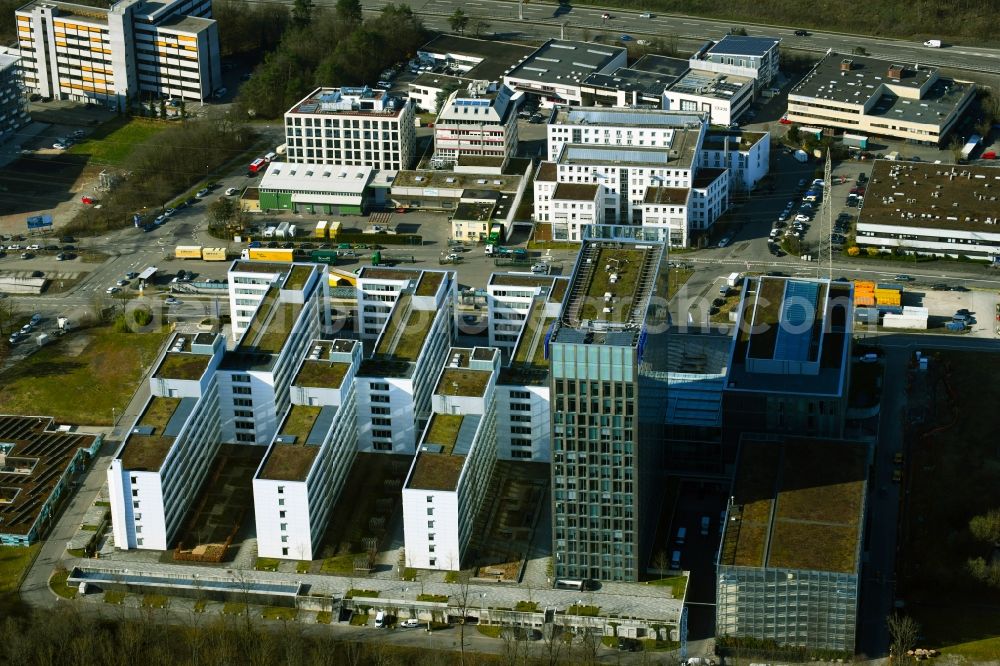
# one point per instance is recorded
(297, 277)
(158, 414)
(289, 462)
(183, 366)
(321, 374)
(429, 283)
(300, 421)
(278, 328)
(459, 381)
(443, 430)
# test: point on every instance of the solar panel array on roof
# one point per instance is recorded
(798, 309)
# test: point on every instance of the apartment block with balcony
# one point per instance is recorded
(160, 466)
(351, 127)
(478, 121)
(450, 475)
(135, 49)
(305, 468)
(13, 101)
(254, 377)
(396, 377)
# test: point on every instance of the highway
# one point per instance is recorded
(545, 20)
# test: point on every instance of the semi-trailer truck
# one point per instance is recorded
(187, 252)
(266, 254)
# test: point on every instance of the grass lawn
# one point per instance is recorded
(199, 606)
(14, 561)
(489, 630)
(267, 564)
(439, 598)
(303, 567)
(114, 597)
(722, 316)
(677, 585)
(62, 376)
(324, 617)
(58, 584)
(279, 613)
(234, 608)
(155, 601)
(585, 611)
(366, 594)
(115, 140)
(676, 279)
(359, 619)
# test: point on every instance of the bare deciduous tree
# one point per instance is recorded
(903, 632)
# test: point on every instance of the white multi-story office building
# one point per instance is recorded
(301, 476)
(255, 376)
(747, 156)
(450, 475)
(604, 165)
(555, 72)
(479, 121)
(522, 311)
(725, 97)
(752, 57)
(395, 381)
(135, 49)
(157, 471)
(352, 127)
(868, 96)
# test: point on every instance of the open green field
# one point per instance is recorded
(81, 376)
(951, 476)
(14, 561)
(114, 141)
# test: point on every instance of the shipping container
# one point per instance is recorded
(213, 254)
(281, 231)
(267, 254)
(321, 229)
(324, 256)
(187, 252)
(333, 230)
(866, 315)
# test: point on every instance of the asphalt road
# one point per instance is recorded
(545, 20)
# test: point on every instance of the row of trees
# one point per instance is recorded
(167, 164)
(247, 28)
(323, 47)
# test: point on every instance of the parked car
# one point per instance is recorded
(958, 287)
(231, 191)
(112, 290)
(122, 283)
(26, 255)
(646, 15)
(724, 241)
(170, 212)
(170, 300)
(410, 623)
(201, 194)
(902, 277)
(131, 275)
(801, 33)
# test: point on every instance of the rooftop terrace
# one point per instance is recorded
(611, 285)
(797, 505)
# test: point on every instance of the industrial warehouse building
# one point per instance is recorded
(330, 189)
(935, 209)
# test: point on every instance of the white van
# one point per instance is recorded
(681, 533)
(270, 157)
(380, 619)
(933, 43)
